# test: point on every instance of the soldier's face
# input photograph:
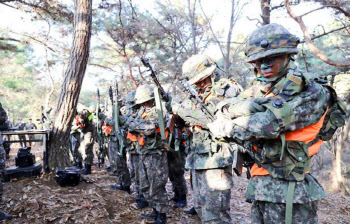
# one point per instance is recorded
(271, 66)
(204, 83)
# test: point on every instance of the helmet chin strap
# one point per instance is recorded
(281, 72)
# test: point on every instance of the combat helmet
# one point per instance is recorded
(270, 40)
(143, 94)
(198, 67)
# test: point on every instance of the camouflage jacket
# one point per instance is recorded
(204, 151)
(146, 125)
(296, 101)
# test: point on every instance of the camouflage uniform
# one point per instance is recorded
(176, 167)
(286, 104)
(209, 160)
(85, 151)
(153, 158)
(118, 161)
(74, 139)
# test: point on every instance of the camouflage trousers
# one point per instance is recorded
(134, 171)
(85, 151)
(2, 170)
(176, 164)
(274, 213)
(119, 165)
(212, 193)
(153, 178)
(74, 145)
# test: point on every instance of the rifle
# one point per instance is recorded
(116, 112)
(186, 88)
(145, 62)
(101, 154)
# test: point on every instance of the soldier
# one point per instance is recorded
(117, 148)
(85, 150)
(22, 138)
(30, 126)
(74, 139)
(153, 157)
(131, 113)
(3, 122)
(209, 160)
(280, 121)
(176, 162)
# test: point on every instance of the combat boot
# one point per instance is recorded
(121, 188)
(182, 202)
(78, 165)
(152, 215)
(191, 211)
(175, 198)
(161, 219)
(142, 203)
(4, 216)
(86, 170)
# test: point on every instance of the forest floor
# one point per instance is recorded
(42, 200)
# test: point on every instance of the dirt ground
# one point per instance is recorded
(41, 200)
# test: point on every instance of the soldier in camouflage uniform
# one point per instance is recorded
(3, 124)
(279, 120)
(74, 139)
(85, 151)
(210, 161)
(153, 157)
(131, 113)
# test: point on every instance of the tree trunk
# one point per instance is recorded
(58, 151)
(265, 10)
(227, 58)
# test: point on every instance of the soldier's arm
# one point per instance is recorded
(303, 110)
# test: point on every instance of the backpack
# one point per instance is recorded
(67, 176)
(334, 118)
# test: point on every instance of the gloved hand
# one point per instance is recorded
(221, 127)
(247, 107)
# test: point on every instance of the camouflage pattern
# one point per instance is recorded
(74, 139)
(121, 169)
(198, 67)
(269, 40)
(176, 166)
(267, 188)
(294, 102)
(153, 178)
(212, 193)
(85, 151)
(274, 213)
(135, 170)
(153, 162)
(205, 152)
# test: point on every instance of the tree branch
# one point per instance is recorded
(326, 33)
(313, 48)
